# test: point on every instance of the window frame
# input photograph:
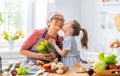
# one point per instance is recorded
(28, 29)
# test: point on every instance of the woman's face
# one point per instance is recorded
(57, 22)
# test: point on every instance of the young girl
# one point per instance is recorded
(70, 54)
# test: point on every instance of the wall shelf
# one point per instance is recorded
(108, 9)
(110, 3)
(109, 6)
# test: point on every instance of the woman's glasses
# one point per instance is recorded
(58, 19)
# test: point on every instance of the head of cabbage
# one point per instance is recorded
(99, 65)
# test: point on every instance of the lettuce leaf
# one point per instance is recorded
(110, 59)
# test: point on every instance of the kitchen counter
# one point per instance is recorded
(70, 72)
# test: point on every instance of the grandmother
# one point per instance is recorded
(55, 23)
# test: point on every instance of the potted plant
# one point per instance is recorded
(11, 37)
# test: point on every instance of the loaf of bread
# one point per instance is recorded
(117, 22)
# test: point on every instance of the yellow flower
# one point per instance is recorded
(38, 47)
(5, 34)
(19, 32)
(22, 36)
(41, 43)
(46, 42)
(43, 47)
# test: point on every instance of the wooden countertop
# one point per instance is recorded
(70, 72)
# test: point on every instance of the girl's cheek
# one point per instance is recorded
(63, 27)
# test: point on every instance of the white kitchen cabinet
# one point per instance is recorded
(108, 8)
(10, 56)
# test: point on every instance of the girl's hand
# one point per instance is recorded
(52, 41)
(83, 61)
(46, 57)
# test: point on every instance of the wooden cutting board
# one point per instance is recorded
(115, 72)
(65, 69)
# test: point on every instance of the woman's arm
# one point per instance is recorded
(61, 52)
(29, 43)
(31, 54)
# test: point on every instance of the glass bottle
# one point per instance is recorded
(0, 66)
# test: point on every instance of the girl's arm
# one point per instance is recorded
(61, 52)
(83, 61)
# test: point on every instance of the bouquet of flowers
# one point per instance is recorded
(13, 36)
(44, 47)
(115, 44)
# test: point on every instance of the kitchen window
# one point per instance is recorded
(26, 15)
(14, 14)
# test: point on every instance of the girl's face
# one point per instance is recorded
(67, 27)
(57, 22)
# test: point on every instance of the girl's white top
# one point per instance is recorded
(73, 56)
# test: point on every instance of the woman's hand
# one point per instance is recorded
(52, 55)
(46, 57)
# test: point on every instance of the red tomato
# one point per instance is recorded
(111, 66)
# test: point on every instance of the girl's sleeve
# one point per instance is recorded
(67, 44)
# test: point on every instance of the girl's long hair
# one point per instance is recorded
(77, 28)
